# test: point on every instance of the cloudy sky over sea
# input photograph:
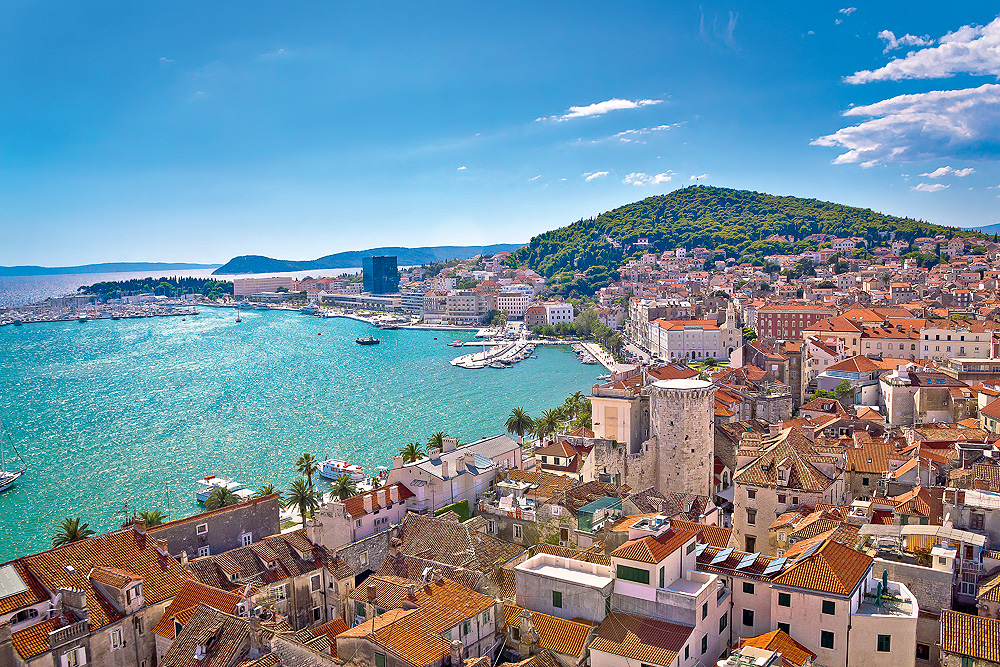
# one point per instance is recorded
(195, 131)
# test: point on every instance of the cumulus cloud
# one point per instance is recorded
(892, 42)
(971, 49)
(922, 126)
(698, 178)
(591, 175)
(462, 168)
(929, 187)
(639, 178)
(601, 108)
(847, 11)
(941, 172)
(629, 136)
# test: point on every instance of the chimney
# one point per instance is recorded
(449, 444)
(444, 469)
(371, 592)
(184, 559)
(774, 429)
(6, 645)
(367, 499)
(255, 646)
(460, 463)
(314, 530)
(528, 634)
(809, 431)
(411, 591)
(75, 600)
(161, 548)
(397, 462)
(380, 495)
(139, 525)
(457, 653)
(394, 493)
(434, 453)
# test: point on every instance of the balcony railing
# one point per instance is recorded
(513, 513)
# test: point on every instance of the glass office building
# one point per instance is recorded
(380, 274)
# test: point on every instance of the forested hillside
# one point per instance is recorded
(734, 222)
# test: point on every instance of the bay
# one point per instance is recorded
(114, 417)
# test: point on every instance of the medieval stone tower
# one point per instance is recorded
(681, 448)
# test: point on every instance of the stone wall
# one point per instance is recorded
(683, 437)
(226, 527)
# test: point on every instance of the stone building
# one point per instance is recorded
(223, 529)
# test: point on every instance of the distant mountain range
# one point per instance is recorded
(989, 229)
(110, 267)
(352, 259)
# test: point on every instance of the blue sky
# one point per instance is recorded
(194, 131)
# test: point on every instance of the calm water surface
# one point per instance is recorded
(116, 416)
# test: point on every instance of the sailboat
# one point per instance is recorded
(238, 318)
(8, 477)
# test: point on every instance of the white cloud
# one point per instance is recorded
(639, 178)
(166, 60)
(929, 187)
(462, 168)
(591, 175)
(869, 164)
(276, 54)
(941, 172)
(838, 21)
(922, 126)
(601, 108)
(535, 178)
(698, 178)
(847, 11)
(971, 49)
(629, 136)
(892, 42)
(716, 35)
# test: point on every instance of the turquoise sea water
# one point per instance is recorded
(134, 411)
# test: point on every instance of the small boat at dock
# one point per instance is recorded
(208, 484)
(456, 343)
(371, 340)
(334, 468)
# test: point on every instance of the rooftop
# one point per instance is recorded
(568, 569)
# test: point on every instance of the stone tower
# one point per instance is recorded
(682, 442)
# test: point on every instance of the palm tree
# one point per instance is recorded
(547, 423)
(307, 465)
(343, 487)
(519, 422)
(267, 490)
(303, 497)
(221, 497)
(436, 440)
(411, 452)
(71, 530)
(154, 518)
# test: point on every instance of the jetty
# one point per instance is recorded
(501, 353)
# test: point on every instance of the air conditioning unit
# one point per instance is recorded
(562, 543)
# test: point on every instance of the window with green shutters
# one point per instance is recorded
(884, 642)
(359, 609)
(557, 599)
(826, 639)
(380, 660)
(784, 599)
(633, 574)
(829, 607)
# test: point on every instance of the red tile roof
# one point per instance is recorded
(650, 549)
(833, 568)
(355, 505)
(640, 638)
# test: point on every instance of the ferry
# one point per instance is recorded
(371, 340)
(334, 468)
(205, 487)
(8, 477)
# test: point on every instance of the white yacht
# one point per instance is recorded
(334, 468)
(8, 477)
(205, 487)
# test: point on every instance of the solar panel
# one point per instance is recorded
(700, 549)
(747, 561)
(775, 566)
(810, 551)
(722, 556)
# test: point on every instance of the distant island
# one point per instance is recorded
(352, 258)
(110, 267)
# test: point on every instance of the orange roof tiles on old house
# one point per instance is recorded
(649, 549)
(640, 638)
(793, 654)
(833, 568)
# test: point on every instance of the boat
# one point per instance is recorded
(81, 318)
(308, 310)
(334, 468)
(18, 323)
(456, 343)
(208, 484)
(8, 477)
(371, 340)
(497, 364)
(388, 327)
(238, 318)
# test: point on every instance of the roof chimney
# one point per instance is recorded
(367, 499)
(773, 429)
(434, 453)
(184, 559)
(380, 495)
(411, 591)
(809, 431)
(371, 592)
(397, 462)
(449, 444)
(394, 493)
(139, 525)
(444, 469)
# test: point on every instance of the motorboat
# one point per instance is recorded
(308, 310)
(371, 340)
(334, 468)
(208, 484)
(456, 343)
(81, 318)
(497, 364)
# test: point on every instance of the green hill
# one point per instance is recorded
(733, 222)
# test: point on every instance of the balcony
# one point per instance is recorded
(526, 513)
(898, 602)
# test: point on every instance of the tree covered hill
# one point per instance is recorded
(734, 222)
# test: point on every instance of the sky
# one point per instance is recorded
(198, 131)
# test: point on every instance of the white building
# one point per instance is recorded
(558, 313)
(515, 303)
(940, 339)
(248, 286)
(361, 516)
(695, 339)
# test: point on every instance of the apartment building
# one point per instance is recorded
(515, 303)
(789, 321)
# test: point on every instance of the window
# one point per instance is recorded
(466, 628)
(201, 528)
(633, 574)
(784, 599)
(748, 587)
(74, 658)
(704, 644)
(116, 639)
(137, 624)
(280, 592)
(976, 521)
(785, 627)
(661, 576)
(923, 652)
(357, 524)
(752, 517)
(687, 652)
(24, 615)
(557, 599)
(315, 583)
(518, 532)
(486, 617)
(204, 551)
(781, 536)
(177, 628)
(748, 617)
(826, 639)
(781, 498)
(751, 544)
(829, 607)
(380, 660)
(751, 493)
(795, 500)
(723, 622)
(246, 539)
(864, 481)
(516, 633)
(884, 643)
(491, 527)
(607, 605)
(691, 547)
(317, 614)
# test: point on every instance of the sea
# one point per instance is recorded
(116, 417)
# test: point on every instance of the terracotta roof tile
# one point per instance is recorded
(640, 638)
(793, 654)
(34, 641)
(716, 536)
(650, 549)
(972, 636)
(833, 568)
(191, 594)
(554, 634)
(355, 505)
